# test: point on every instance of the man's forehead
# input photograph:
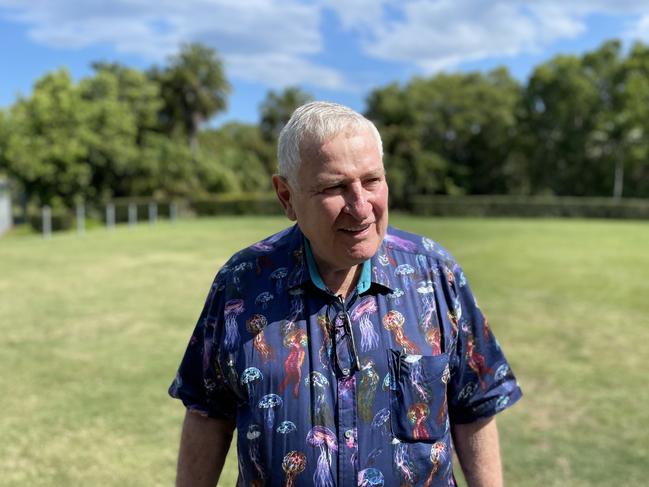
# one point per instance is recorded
(313, 145)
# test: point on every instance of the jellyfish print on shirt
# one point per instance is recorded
(438, 457)
(232, 309)
(381, 422)
(255, 325)
(351, 442)
(286, 427)
(263, 299)
(296, 342)
(366, 308)
(297, 305)
(345, 388)
(428, 244)
(394, 321)
(323, 438)
(279, 275)
(417, 414)
(297, 274)
(249, 378)
(395, 296)
(370, 477)
(405, 272)
(326, 349)
(252, 435)
(400, 243)
(321, 410)
(380, 276)
(405, 467)
(417, 378)
(293, 465)
(476, 361)
(428, 325)
(238, 270)
(269, 403)
(367, 389)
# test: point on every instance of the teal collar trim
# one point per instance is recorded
(364, 281)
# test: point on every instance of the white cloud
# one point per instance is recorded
(277, 42)
(639, 31)
(443, 34)
(268, 41)
(278, 70)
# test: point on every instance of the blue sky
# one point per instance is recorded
(337, 50)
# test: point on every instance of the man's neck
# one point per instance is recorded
(342, 282)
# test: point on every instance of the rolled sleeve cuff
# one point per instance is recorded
(488, 404)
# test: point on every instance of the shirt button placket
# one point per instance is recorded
(346, 409)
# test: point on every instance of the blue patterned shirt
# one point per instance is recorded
(327, 391)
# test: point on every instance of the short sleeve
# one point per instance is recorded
(482, 383)
(199, 382)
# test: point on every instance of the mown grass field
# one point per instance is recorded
(92, 329)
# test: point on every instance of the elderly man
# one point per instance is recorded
(343, 351)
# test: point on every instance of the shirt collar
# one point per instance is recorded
(364, 281)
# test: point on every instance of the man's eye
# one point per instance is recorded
(334, 188)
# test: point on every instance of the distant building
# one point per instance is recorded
(5, 207)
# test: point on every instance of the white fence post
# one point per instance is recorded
(110, 216)
(173, 211)
(81, 218)
(132, 214)
(153, 212)
(47, 221)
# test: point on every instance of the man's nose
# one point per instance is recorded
(357, 203)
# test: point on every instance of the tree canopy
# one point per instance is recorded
(577, 126)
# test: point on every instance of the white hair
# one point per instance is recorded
(314, 123)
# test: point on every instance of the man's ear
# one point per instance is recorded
(284, 195)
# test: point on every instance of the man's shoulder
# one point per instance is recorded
(402, 241)
(276, 247)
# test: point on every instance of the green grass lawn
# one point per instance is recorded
(92, 329)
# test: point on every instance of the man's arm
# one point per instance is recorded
(204, 444)
(478, 450)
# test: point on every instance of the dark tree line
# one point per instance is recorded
(578, 126)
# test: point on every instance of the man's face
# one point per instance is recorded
(341, 204)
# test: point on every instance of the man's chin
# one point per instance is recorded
(362, 252)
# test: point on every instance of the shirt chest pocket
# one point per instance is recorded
(418, 407)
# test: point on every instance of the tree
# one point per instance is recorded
(275, 111)
(585, 117)
(193, 87)
(238, 156)
(277, 108)
(449, 133)
(122, 116)
(44, 147)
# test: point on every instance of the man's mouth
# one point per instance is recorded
(356, 229)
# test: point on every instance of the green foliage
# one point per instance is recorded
(193, 87)
(585, 118)
(45, 146)
(4, 134)
(447, 134)
(238, 151)
(578, 127)
(276, 109)
(530, 206)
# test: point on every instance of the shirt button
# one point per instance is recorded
(349, 434)
(346, 372)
